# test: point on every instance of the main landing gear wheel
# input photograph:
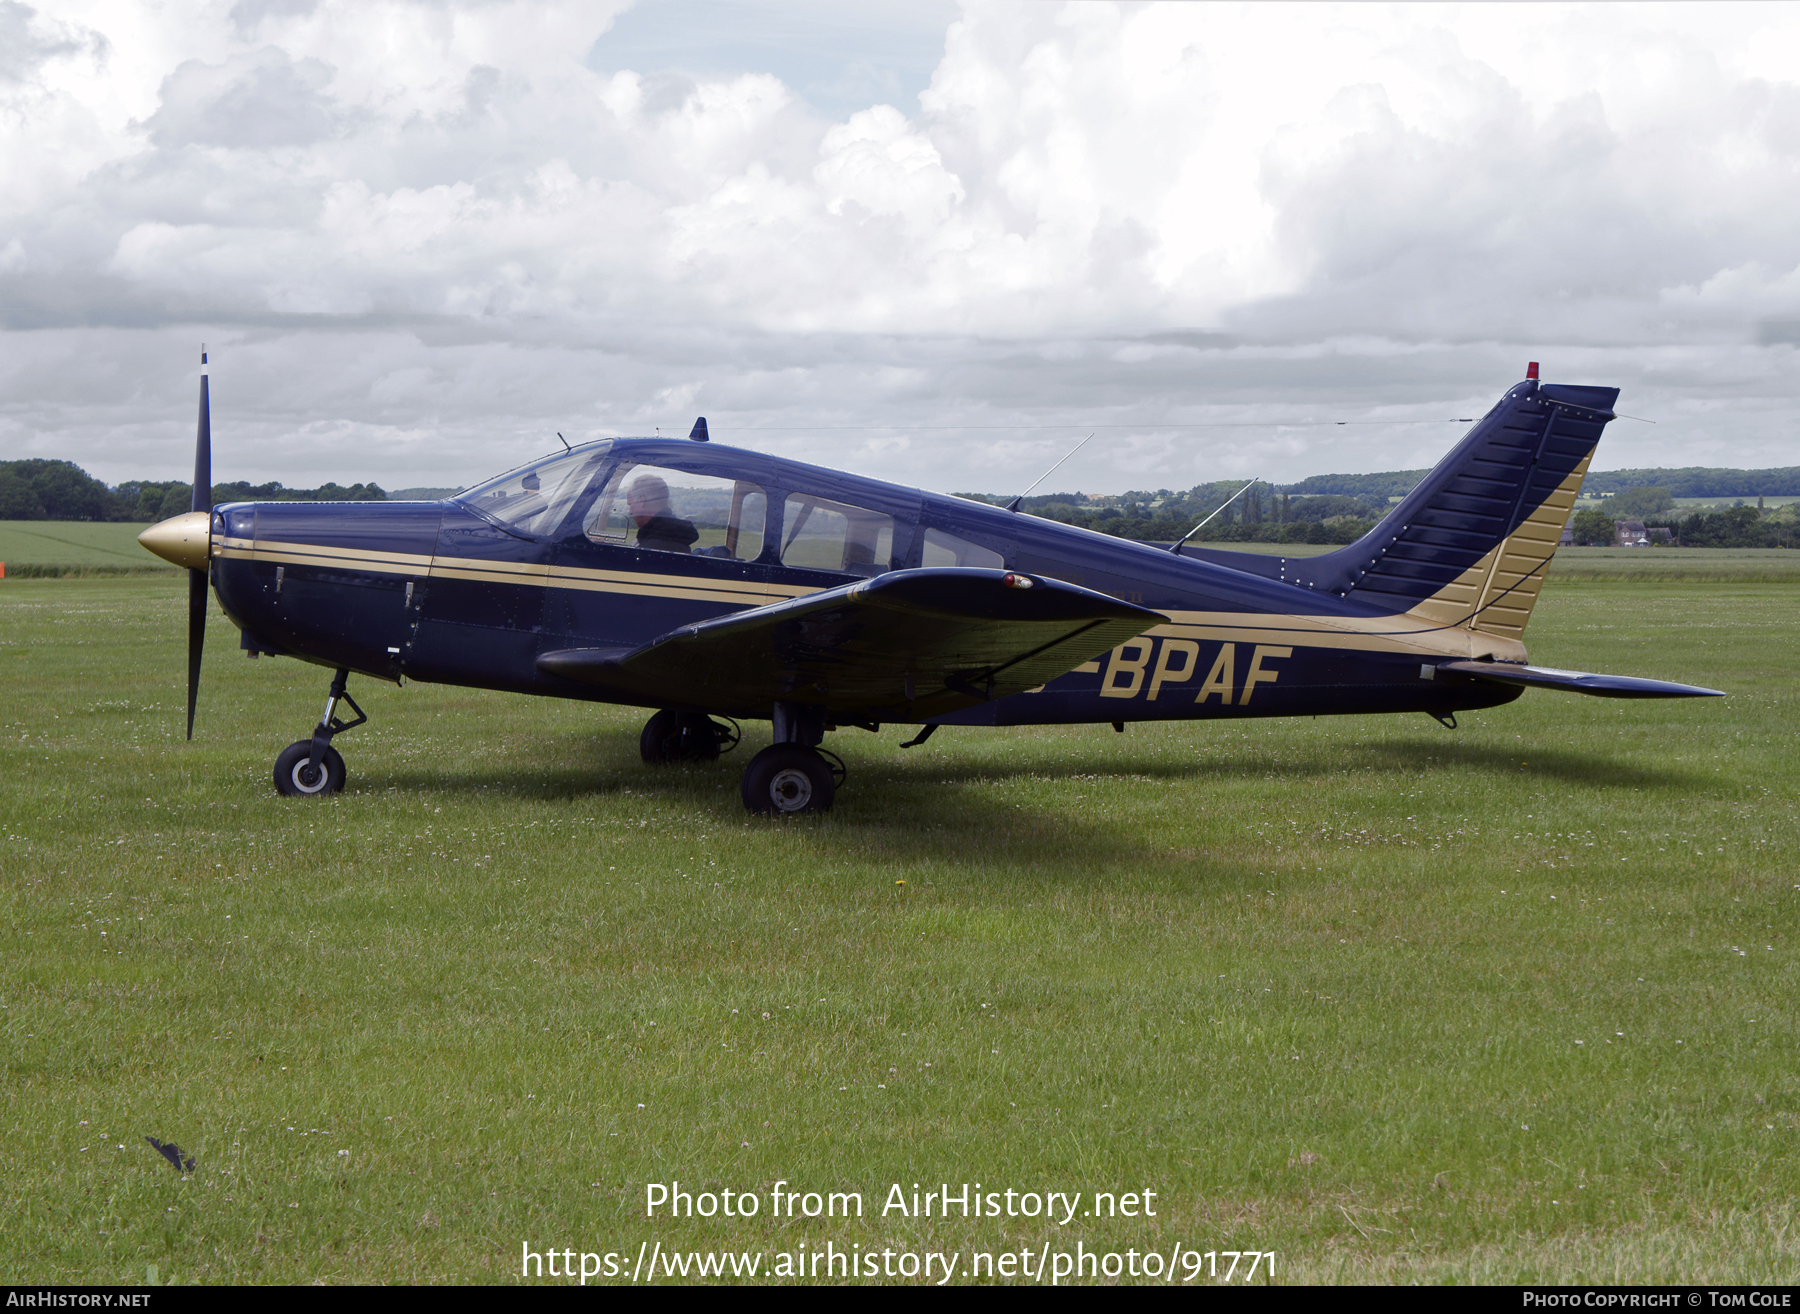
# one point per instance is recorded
(685, 737)
(296, 777)
(786, 780)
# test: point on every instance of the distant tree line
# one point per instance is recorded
(1341, 508)
(1379, 489)
(1264, 514)
(1698, 481)
(1735, 526)
(62, 490)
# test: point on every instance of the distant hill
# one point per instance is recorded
(1688, 481)
(1698, 481)
(422, 494)
(1376, 487)
(62, 490)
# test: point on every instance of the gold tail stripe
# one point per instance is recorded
(1496, 595)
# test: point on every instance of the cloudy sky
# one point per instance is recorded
(932, 241)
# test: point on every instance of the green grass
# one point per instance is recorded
(1655, 565)
(73, 543)
(1319, 984)
(1722, 502)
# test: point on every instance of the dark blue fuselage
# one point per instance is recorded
(449, 592)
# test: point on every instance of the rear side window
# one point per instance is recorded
(943, 549)
(820, 534)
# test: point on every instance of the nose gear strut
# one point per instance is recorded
(309, 768)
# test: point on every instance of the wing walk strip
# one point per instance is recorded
(1403, 633)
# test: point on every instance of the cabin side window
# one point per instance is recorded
(666, 510)
(819, 533)
(941, 549)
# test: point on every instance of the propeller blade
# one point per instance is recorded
(196, 638)
(203, 448)
(202, 501)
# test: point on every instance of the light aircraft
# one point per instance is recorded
(708, 582)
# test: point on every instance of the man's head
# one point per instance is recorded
(647, 498)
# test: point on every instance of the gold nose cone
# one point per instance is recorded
(185, 540)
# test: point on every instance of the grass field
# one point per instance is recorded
(1676, 565)
(31, 547)
(1510, 1003)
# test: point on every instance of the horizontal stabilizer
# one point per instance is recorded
(907, 645)
(1600, 686)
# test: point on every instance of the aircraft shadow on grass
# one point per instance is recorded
(913, 821)
(1598, 772)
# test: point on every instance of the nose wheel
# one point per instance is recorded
(311, 768)
(297, 776)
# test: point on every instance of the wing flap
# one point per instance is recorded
(1582, 682)
(907, 645)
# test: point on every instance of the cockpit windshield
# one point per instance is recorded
(534, 499)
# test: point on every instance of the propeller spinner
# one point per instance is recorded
(187, 541)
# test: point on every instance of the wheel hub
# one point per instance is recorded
(790, 790)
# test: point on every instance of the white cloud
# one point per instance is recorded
(423, 236)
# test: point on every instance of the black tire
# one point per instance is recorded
(679, 737)
(294, 779)
(788, 780)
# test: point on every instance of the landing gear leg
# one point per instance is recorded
(792, 776)
(312, 767)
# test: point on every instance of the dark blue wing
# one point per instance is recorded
(907, 645)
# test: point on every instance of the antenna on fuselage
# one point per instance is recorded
(565, 443)
(1176, 545)
(1014, 504)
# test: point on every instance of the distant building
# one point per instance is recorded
(1631, 533)
(1568, 534)
(1661, 535)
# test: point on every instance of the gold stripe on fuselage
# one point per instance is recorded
(314, 554)
(1403, 633)
(749, 593)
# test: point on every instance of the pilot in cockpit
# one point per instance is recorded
(647, 502)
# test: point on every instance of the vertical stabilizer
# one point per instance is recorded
(1468, 547)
